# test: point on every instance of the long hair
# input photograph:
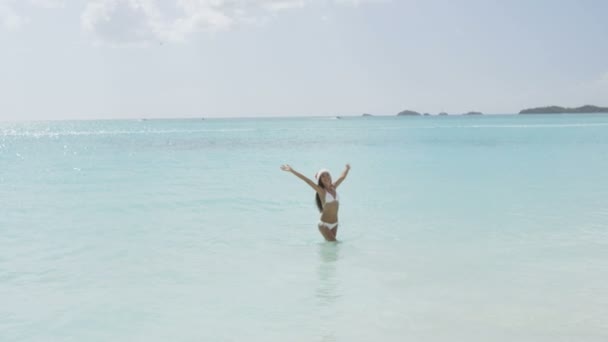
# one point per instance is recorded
(317, 198)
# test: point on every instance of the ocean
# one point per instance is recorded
(453, 228)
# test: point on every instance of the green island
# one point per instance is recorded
(587, 109)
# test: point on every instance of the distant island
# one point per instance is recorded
(587, 109)
(408, 113)
(366, 114)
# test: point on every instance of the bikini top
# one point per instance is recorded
(330, 198)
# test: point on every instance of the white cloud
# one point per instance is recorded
(278, 5)
(9, 19)
(48, 3)
(120, 21)
(144, 21)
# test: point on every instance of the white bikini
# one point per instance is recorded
(329, 198)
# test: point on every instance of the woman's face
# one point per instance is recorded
(326, 179)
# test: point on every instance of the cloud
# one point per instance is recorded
(128, 22)
(10, 19)
(120, 22)
(278, 5)
(48, 3)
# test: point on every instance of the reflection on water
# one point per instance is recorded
(327, 291)
(328, 251)
(328, 257)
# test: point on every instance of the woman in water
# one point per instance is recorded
(326, 197)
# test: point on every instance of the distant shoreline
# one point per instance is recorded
(587, 109)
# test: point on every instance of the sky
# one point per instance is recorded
(108, 59)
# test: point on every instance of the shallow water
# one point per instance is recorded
(490, 228)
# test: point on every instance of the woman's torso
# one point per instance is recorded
(331, 205)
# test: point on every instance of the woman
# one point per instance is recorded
(326, 197)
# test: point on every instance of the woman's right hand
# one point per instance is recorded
(286, 167)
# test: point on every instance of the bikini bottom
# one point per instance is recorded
(328, 225)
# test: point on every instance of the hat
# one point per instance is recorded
(320, 172)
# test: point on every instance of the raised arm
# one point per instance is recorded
(312, 184)
(342, 176)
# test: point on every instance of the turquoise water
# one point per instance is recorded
(491, 228)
